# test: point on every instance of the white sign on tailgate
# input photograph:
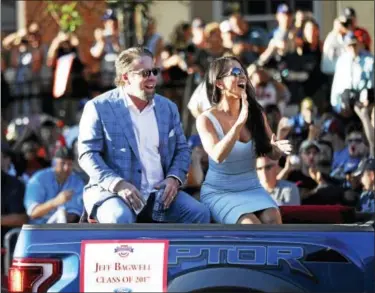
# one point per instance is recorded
(124, 266)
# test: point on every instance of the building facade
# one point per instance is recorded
(16, 14)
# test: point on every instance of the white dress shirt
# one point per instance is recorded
(146, 134)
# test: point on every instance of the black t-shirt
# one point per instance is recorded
(301, 180)
(326, 194)
(79, 84)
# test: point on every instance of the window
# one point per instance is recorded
(262, 12)
(8, 16)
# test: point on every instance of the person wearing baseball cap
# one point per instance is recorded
(361, 33)
(366, 169)
(284, 18)
(347, 80)
(53, 188)
(308, 145)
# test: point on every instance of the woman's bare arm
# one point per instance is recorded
(217, 149)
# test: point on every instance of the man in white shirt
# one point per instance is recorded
(354, 73)
(333, 47)
(130, 143)
(282, 191)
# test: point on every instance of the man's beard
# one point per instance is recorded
(146, 96)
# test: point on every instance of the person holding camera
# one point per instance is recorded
(353, 79)
(105, 50)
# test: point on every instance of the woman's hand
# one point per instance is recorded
(283, 145)
(242, 117)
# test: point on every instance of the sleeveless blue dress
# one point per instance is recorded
(232, 188)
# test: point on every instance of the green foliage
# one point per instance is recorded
(66, 15)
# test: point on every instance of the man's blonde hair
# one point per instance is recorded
(125, 60)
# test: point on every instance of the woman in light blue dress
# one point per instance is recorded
(234, 132)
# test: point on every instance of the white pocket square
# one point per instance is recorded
(123, 150)
(171, 133)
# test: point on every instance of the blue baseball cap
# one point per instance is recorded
(109, 15)
(283, 8)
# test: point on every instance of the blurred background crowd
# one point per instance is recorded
(316, 92)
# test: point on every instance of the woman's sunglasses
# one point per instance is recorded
(236, 72)
(147, 72)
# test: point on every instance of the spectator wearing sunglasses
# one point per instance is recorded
(282, 191)
(352, 154)
(234, 132)
(131, 142)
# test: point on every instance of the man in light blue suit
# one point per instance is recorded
(131, 142)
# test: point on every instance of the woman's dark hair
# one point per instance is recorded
(313, 22)
(255, 122)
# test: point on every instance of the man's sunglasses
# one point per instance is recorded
(147, 72)
(236, 72)
(355, 140)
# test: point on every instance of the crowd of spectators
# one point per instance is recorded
(316, 92)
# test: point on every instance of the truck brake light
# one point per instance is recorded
(33, 274)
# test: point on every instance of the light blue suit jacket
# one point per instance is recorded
(108, 149)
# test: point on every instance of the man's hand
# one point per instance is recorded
(63, 197)
(171, 189)
(130, 194)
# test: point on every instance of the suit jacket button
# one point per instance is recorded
(139, 171)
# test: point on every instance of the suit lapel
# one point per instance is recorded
(123, 118)
(162, 119)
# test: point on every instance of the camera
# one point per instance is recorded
(350, 97)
